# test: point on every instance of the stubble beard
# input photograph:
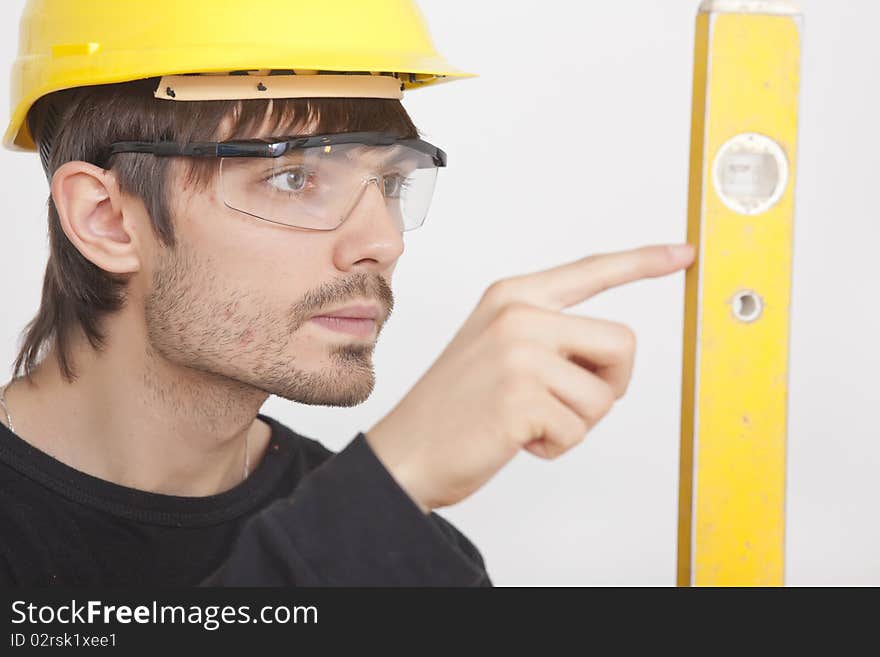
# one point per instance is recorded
(192, 322)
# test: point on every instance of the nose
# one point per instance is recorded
(371, 235)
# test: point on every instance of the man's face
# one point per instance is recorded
(235, 295)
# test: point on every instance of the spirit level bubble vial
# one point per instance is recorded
(731, 512)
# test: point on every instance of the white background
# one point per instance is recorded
(574, 140)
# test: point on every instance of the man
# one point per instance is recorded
(194, 271)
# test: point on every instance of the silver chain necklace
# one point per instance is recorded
(247, 454)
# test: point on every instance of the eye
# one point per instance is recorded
(292, 180)
(394, 185)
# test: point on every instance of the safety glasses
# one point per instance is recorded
(314, 182)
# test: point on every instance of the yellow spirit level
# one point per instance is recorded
(735, 361)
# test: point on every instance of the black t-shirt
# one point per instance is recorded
(306, 516)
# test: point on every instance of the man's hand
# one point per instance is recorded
(518, 374)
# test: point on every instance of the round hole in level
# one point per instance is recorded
(747, 306)
(751, 173)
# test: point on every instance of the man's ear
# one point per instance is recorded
(89, 204)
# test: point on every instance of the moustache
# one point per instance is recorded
(353, 289)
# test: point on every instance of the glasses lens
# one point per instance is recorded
(316, 188)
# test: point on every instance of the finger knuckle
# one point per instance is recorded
(498, 292)
(576, 431)
(604, 400)
(625, 340)
(511, 319)
(630, 340)
(517, 356)
(598, 404)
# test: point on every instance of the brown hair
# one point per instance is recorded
(79, 124)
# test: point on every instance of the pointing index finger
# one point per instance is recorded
(574, 282)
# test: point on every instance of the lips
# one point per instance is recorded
(357, 320)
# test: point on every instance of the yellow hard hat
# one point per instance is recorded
(75, 43)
